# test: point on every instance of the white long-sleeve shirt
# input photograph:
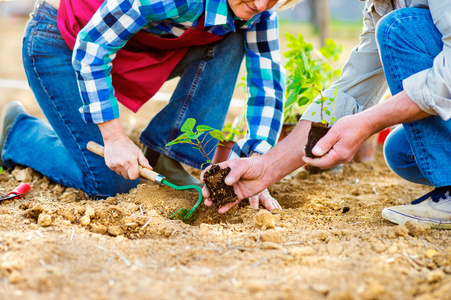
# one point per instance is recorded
(363, 82)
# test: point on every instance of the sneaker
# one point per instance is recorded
(171, 169)
(433, 209)
(9, 113)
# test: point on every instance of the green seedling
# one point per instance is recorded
(325, 107)
(197, 136)
(193, 137)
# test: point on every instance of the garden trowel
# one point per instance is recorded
(180, 214)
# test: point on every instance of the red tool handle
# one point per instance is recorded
(21, 190)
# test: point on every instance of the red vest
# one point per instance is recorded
(146, 61)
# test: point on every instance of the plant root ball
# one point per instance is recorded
(220, 192)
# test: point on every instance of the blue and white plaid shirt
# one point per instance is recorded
(117, 21)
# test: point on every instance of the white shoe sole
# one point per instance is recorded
(400, 218)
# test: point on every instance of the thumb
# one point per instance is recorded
(236, 172)
(324, 144)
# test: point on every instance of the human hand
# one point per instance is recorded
(341, 142)
(121, 154)
(124, 157)
(247, 175)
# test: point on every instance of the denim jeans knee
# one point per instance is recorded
(400, 157)
(409, 41)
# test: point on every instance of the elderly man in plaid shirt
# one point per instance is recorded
(82, 58)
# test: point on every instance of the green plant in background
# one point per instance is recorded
(309, 71)
(237, 129)
(193, 137)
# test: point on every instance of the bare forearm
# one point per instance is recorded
(287, 155)
(397, 110)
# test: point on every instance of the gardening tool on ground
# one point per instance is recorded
(180, 214)
(17, 193)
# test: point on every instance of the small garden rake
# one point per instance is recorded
(180, 214)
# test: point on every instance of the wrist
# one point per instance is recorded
(112, 130)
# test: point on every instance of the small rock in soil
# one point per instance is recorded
(44, 220)
(115, 230)
(264, 220)
(272, 236)
(34, 212)
(435, 276)
(401, 230)
(417, 230)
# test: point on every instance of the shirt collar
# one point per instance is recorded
(217, 12)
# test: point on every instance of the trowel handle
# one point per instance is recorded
(144, 172)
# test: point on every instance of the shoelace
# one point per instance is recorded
(436, 195)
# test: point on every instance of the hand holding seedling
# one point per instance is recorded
(341, 142)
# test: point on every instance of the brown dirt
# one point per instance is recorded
(317, 131)
(57, 244)
(220, 193)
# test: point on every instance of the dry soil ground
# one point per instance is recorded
(57, 244)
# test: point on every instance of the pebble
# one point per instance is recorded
(85, 220)
(264, 220)
(44, 220)
(417, 230)
(23, 175)
(98, 228)
(34, 212)
(401, 230)
(435, 276)
(115, 230)
(271, 236)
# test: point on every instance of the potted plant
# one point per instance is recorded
(199, 136)
(309, 70)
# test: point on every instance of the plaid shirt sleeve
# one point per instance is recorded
(265, 84)
(109, 29)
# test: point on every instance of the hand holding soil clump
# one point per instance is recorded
(214, 178)
(220, 192)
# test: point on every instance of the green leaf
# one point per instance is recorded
(291, 99)
(203, 128)
(324, 122)
(217, 134)
(177, 140)
(189, 124)
(303, 101)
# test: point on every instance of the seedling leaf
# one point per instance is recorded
(188, 126)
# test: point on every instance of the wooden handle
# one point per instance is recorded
(144, 172)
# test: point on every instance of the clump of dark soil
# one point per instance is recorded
(317, 131)
(219, 191)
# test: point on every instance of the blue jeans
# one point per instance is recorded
(57, 149)
(417, 151)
